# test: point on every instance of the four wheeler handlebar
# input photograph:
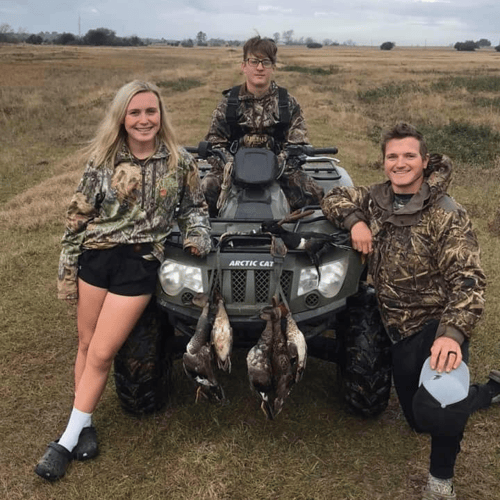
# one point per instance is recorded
(205, 149)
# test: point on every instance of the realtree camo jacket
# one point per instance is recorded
(131, 204)
(426, 260)
(258, 118)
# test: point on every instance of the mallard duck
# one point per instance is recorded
(222, 335)
(296, 344)
(278, 359)
(283, 378)
(314, 244)
(259, 366)
(199, 358)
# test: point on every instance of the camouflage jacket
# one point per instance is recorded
(132, 203)
(426, 260)
(258, 118)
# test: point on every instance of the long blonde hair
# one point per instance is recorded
(111, 133)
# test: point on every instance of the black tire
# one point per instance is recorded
(365, 357)
(143, 366)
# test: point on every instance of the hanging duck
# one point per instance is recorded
(259, 366)
(296, 344)
(222, 335)
(198, 360)
(280, 362)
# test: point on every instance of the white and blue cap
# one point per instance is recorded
(447, 387)
(441, 404)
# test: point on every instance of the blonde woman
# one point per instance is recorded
(117, 222)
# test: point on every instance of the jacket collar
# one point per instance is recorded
(124, 154)
(383, 197)
(245, 95)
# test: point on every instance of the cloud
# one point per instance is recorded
(89, 10)
(324, 14)
(273, 8)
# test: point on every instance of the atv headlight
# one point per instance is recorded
(332, 278)
(308, 281)
(174, 277)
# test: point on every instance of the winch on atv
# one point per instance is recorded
(318, 275)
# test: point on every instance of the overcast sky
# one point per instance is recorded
(366, 22)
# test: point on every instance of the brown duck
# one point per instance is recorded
(198, 360)
(280, 362)
(296, 344)
(222, 335)
(259, 366)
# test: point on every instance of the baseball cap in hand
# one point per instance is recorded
(441, 405)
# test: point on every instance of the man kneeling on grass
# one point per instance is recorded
(425, 266)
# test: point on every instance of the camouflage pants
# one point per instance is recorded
(300, 189)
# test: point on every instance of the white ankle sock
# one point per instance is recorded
(77, 421)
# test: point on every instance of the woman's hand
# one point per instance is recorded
(361, 238)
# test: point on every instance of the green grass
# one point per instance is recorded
(485, 102)
(472, 145)
(180, 85)
(331, 70)
(391, 91)
(482, 83)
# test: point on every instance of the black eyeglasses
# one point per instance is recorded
(254, 62)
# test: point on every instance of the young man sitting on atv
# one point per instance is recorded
(259, 114)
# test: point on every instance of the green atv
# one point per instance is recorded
(325, 291)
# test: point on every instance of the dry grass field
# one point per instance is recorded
(51, 99)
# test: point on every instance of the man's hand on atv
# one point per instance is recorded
(292, 158)
(361, 238)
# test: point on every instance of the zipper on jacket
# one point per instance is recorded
(143, 173)
(143, 164)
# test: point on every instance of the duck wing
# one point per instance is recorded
(260, 372)
(297, 347)
(281, 366)
(222, 337)
(198, 360)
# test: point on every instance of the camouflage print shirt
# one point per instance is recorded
(258, 118)
(133, 202)
(426, 260)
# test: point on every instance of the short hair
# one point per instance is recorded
(401, 131)
(111, 133)
(260, 46)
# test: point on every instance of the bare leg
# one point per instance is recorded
(90, 301)
(117, 317)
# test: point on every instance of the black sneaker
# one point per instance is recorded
(494, 385)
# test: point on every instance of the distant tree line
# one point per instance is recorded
(108, 37)
(105, 36)
(202, 40)
(471, 45)
(99, 36)
(288, 38)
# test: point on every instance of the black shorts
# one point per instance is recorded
(122, 270)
